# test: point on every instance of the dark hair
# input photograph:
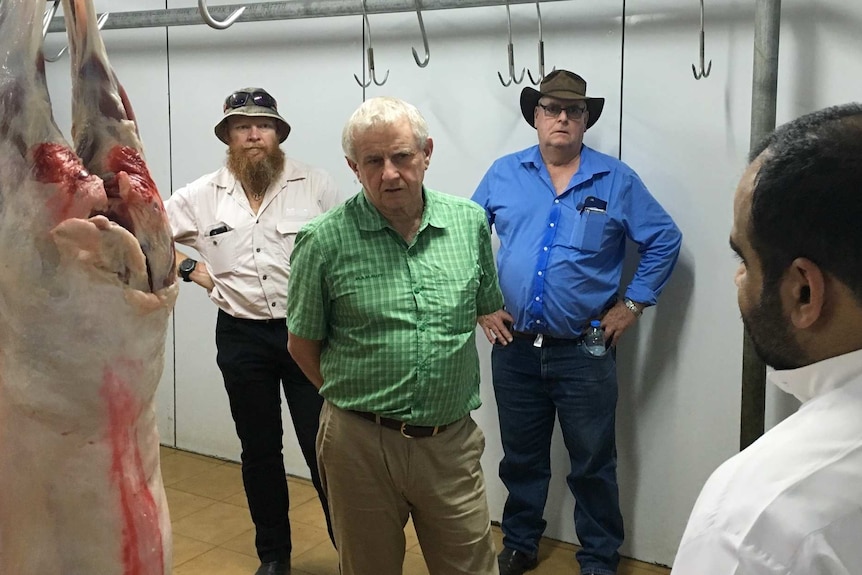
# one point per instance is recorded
(807, 199)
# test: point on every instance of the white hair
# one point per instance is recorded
(382, 111)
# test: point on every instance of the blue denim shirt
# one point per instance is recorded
(561, 257)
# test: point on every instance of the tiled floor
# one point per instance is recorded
(213, 534)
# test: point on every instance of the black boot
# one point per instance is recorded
(279, 567)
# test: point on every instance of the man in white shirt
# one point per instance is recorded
(243, 220)
(791, 503)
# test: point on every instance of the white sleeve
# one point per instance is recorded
(182, 218)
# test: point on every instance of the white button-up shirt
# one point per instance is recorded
(248, 254)
(791, 503)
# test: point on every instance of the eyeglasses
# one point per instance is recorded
(240, 99)
(573, 112)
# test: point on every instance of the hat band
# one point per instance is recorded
(565, 95)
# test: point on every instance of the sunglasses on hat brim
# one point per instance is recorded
(258, 98)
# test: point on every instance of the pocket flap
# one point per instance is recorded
(290, 226)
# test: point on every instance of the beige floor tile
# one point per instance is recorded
(307, 537)
(219, 562)
(304, 538)
(498, 537)
(300, 491)
(411, 540)
(242, 543)
(310, 513)
(207, 457)
(182, 504)
(554, 560)
(165, 451)
(216, 524)
(239, 499)
(414, 565)
(219, 483)
(180, 466)
(186, 548)
(632, 567)
(217, 537)
(319, 560)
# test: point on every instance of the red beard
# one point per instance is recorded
(255, 173)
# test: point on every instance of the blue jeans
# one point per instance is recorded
(532, 385)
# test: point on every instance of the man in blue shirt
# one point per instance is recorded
(563, 212)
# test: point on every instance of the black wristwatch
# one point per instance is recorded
(187, 266)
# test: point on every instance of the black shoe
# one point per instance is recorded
(513, 562)
(280, 567)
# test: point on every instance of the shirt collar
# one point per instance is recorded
(371, 220)
(592, 163)
(819, 378)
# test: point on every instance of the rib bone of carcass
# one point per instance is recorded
(86, 289)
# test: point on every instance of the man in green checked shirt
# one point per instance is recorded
(385, 293)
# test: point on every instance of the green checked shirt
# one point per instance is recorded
(397, 321)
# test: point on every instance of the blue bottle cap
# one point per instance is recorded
(595, 323)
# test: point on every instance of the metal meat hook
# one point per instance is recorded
(421, 63)
(49, 15)
(511, 55)
(369, 54)
(541, 52)
(703, 73)
(218, 24)
(100, 23)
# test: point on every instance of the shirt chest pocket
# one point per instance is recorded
(287, 229)
(590, 229)
(222, 250)
(453, 299)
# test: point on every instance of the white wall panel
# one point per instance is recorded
(679, 417)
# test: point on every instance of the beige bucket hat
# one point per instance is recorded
(251, 102)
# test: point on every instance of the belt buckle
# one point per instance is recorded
(408, 436)
(404, 433)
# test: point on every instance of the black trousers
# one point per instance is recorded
(253, 359)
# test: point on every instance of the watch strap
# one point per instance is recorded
(187, 266)
(633, 307)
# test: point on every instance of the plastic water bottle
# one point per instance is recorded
(594, 339)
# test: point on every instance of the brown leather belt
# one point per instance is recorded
(407, 430)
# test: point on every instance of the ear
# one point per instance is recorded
(353, 166)
(805, 290)
(429, 148)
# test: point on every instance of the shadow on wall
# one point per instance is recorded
(648, 357)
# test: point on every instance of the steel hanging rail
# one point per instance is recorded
(293, 10)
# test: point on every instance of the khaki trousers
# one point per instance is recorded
(375, 479)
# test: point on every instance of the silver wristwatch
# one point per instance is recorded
(633, 307)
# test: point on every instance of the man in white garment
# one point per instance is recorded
(791, 503)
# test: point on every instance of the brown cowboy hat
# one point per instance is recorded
(564, 85)
(251, 102)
